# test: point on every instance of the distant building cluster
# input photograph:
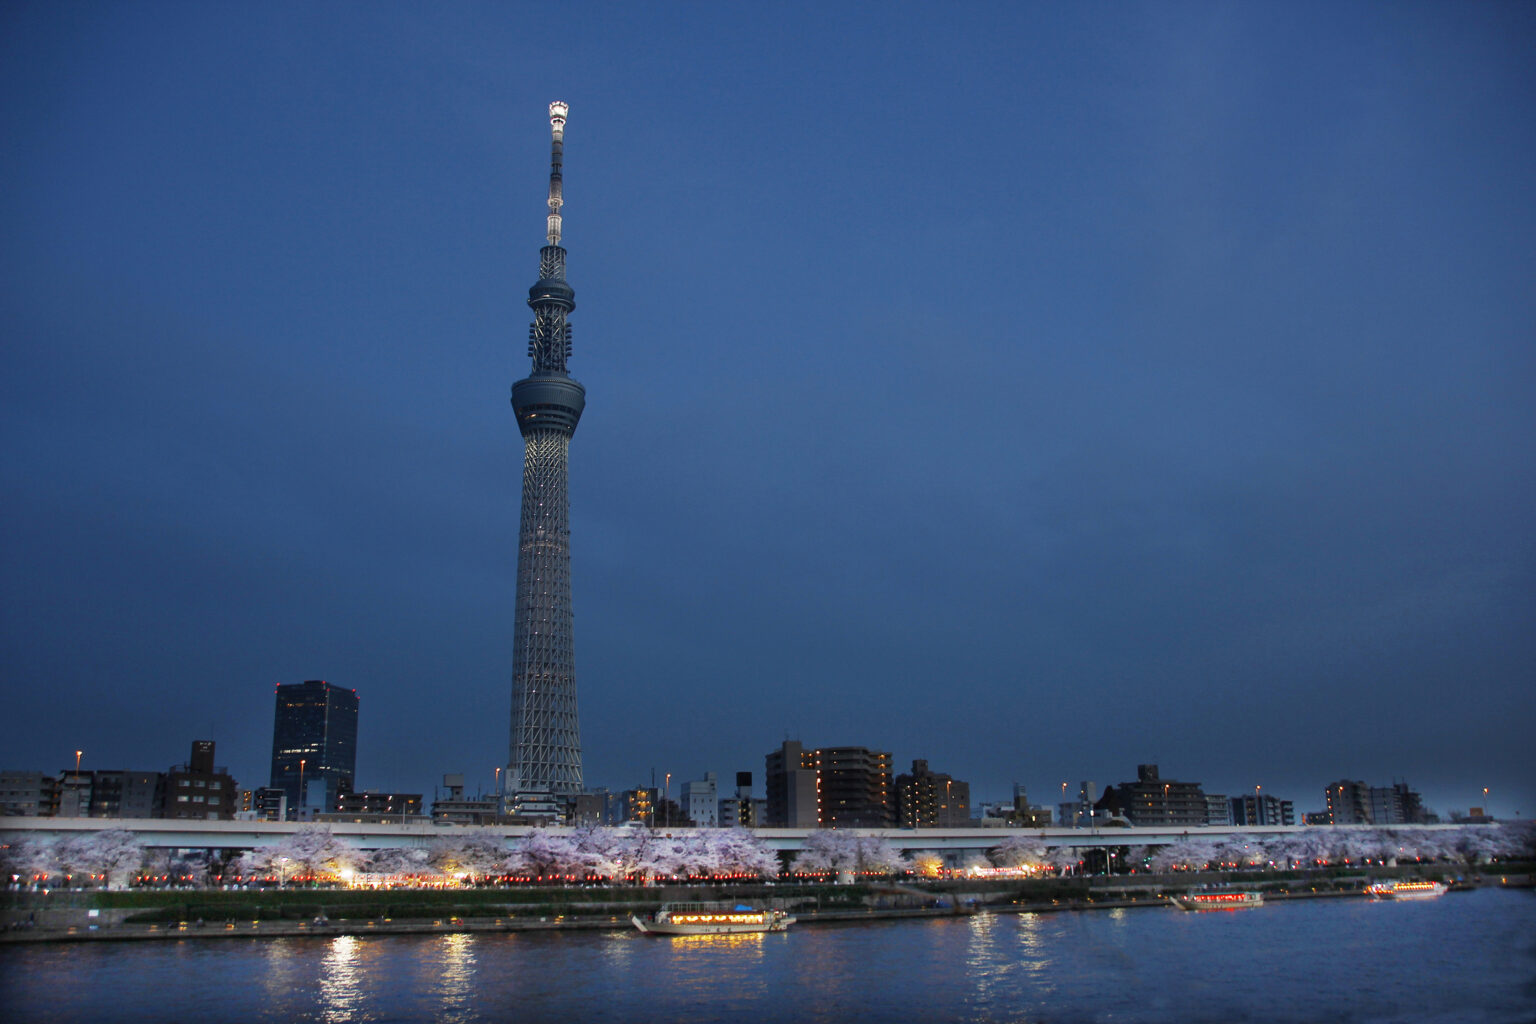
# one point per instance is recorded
(1355, 803)
(314, 762)
(314, 758)
(196, 789)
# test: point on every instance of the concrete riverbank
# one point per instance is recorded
(110, 925)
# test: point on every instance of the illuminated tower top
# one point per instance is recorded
(557, 112)
(552, 300)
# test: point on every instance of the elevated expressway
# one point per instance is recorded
(161, 833)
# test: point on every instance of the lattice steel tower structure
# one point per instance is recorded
(544, 764)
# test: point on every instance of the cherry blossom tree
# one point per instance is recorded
(397, 861)
(113, 853)
(1064, 859)
(470, 856)
(312, 851)
(926, 863)
(1018, 851)
(24, 861)
(847, 852)
(730, 851)
(543, 853)
(597, 852)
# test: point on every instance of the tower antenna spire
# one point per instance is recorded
(557, 112)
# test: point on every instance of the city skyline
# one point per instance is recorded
(1038, 394)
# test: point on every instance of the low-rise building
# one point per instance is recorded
(701, 801)
(373, 807)
(199, 788)
(456, 808)
(597, 806)
(1078, 813)
(640, 804)
(264, 803)
(741, 809)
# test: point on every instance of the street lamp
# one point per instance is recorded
(666, 806)
(75, 787)
(301, 789)
(1485, 802)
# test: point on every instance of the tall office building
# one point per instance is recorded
(544, 761)
(314, 745)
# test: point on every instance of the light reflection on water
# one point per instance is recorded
(697, 964)
(990, 966)
(1467, 958)
(340, 985)
(284, 967)
(455, 983)
(1032, 952)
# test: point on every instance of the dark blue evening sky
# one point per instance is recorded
(1034, 389)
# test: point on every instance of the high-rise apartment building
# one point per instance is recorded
(124, 794)
(791, 782)
(853, 788)
(929, 799)
(28, 794)
(1153, 800)
(544, 758)
(1262, 809)
(314, 745)
(1398, 805)
(831, 787)
(1352, 802)
(1349, 802)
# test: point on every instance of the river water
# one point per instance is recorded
(1465, 957)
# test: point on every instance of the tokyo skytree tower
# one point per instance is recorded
(544, 765)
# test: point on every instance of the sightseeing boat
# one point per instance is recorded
(711, 919)
(1213, 900)
(1406, 890)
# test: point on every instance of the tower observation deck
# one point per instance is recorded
(544, 762)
